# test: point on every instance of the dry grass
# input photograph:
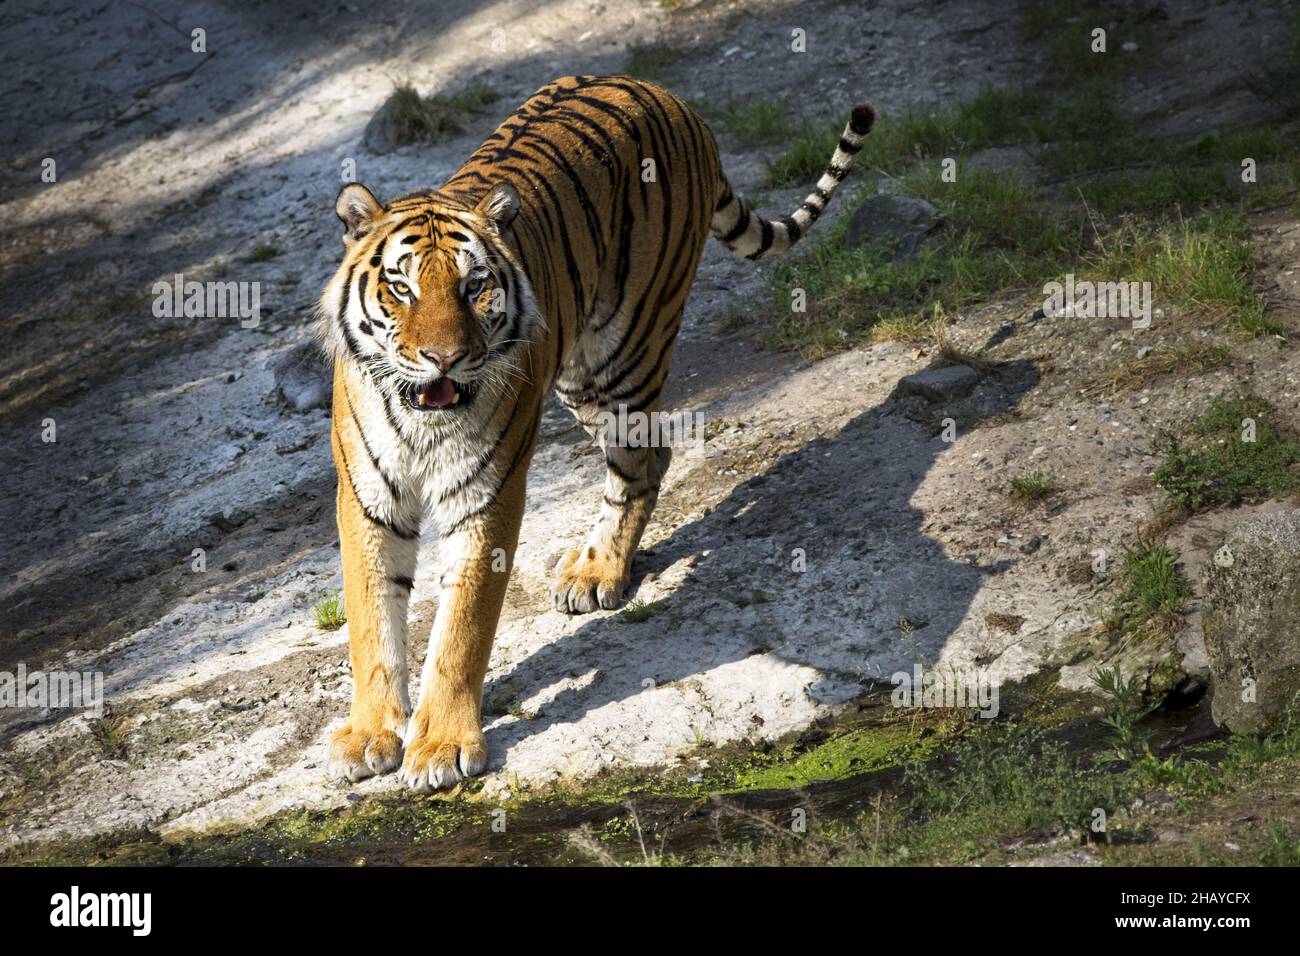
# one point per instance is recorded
(1190, 357)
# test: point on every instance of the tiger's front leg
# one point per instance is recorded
(378, 539)
(444, 741)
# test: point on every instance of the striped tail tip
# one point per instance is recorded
(755, 237)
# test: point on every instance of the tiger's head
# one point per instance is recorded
(430, 299)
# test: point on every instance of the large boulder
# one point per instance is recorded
(1252, 622)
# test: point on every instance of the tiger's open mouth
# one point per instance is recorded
(438, 395)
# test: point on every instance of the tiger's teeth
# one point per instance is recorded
(455, 398)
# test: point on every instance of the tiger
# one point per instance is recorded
(558, 258)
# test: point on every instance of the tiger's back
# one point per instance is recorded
(618, 180)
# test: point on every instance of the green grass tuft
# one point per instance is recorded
(636, 611)
(1153, 593)
(329, 612)
(1033, 486)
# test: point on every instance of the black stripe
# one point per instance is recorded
(580, 191)
(813, 211)
(353, 345)
(765, 242)
(848, 147)
(524, 448)
(739, 229)
(623, 475)
(388, 482)
(373, 519)
(482, 463)
(403, 582)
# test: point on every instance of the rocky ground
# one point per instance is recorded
(171, 436)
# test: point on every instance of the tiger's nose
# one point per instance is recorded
(444, 360)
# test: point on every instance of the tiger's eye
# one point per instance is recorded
(401, 288)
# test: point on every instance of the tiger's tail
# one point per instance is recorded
(754, 237)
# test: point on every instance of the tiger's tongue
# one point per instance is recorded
(438, 394)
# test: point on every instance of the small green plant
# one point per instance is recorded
(1280, 849)
(262, 252)
(1033, 486)
(1245, 750)
(476, 96)
(109, 733)
(1234, 453)
(329, 612)
(1131, 743)
(636, 611)
(1000, 779)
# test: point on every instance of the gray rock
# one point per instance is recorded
(896, 223)
(940, 384)
(1252, 622)
(304, 378)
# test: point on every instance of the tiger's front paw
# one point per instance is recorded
(584, 582)
(356, 754)
(439, 758)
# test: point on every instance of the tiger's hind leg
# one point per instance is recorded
(598, 573)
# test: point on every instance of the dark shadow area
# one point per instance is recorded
(843, 498)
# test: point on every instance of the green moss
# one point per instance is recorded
(839, 758)
(935, 790)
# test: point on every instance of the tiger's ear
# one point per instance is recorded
(358, 208)
(499, 206)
